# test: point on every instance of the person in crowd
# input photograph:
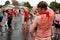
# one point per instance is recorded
(44, 21)
(19, 12)
(9, 20)
(15, 13)
(1, 17)
(21, 16)
(4, 21)
(57, 23)
(25, 24)
(15, 18)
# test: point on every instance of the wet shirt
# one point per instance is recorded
(26, 16)
(15, 13)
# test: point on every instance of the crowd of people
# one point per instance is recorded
(40, 24)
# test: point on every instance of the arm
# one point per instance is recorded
(33, 26)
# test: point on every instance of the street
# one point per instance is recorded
(16, 33)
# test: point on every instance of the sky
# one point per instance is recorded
(32, 2)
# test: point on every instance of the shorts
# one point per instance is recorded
(57, 25)
(9, 25)
(26, 19)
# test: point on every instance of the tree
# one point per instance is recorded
(53, 5)
(58, 6)
(7, 2)
(27, 5)
(1, 6)
(15, 3)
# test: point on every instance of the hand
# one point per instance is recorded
(32, 35)
(22, 28)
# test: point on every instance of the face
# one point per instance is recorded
(39, 10)
(43, 10)
(5, 13)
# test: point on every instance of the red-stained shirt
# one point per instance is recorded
(15, 13)
(26, 15)
(11, 11)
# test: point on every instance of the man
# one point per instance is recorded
(25, 24)
(57, 23)
(44, 21)
(9, 20)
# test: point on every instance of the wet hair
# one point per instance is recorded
(42, 4)
(7, 11)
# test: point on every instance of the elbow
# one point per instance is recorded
(30, 31)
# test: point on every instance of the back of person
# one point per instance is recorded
(45, 24)
(44, 21)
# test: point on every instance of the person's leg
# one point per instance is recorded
(58, 33)
(26, 30)
(24, 35)
(0, 29)
(9, 26)
(0, 26)
(9, 23)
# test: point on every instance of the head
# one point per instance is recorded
(42, 6)
(7, 11)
